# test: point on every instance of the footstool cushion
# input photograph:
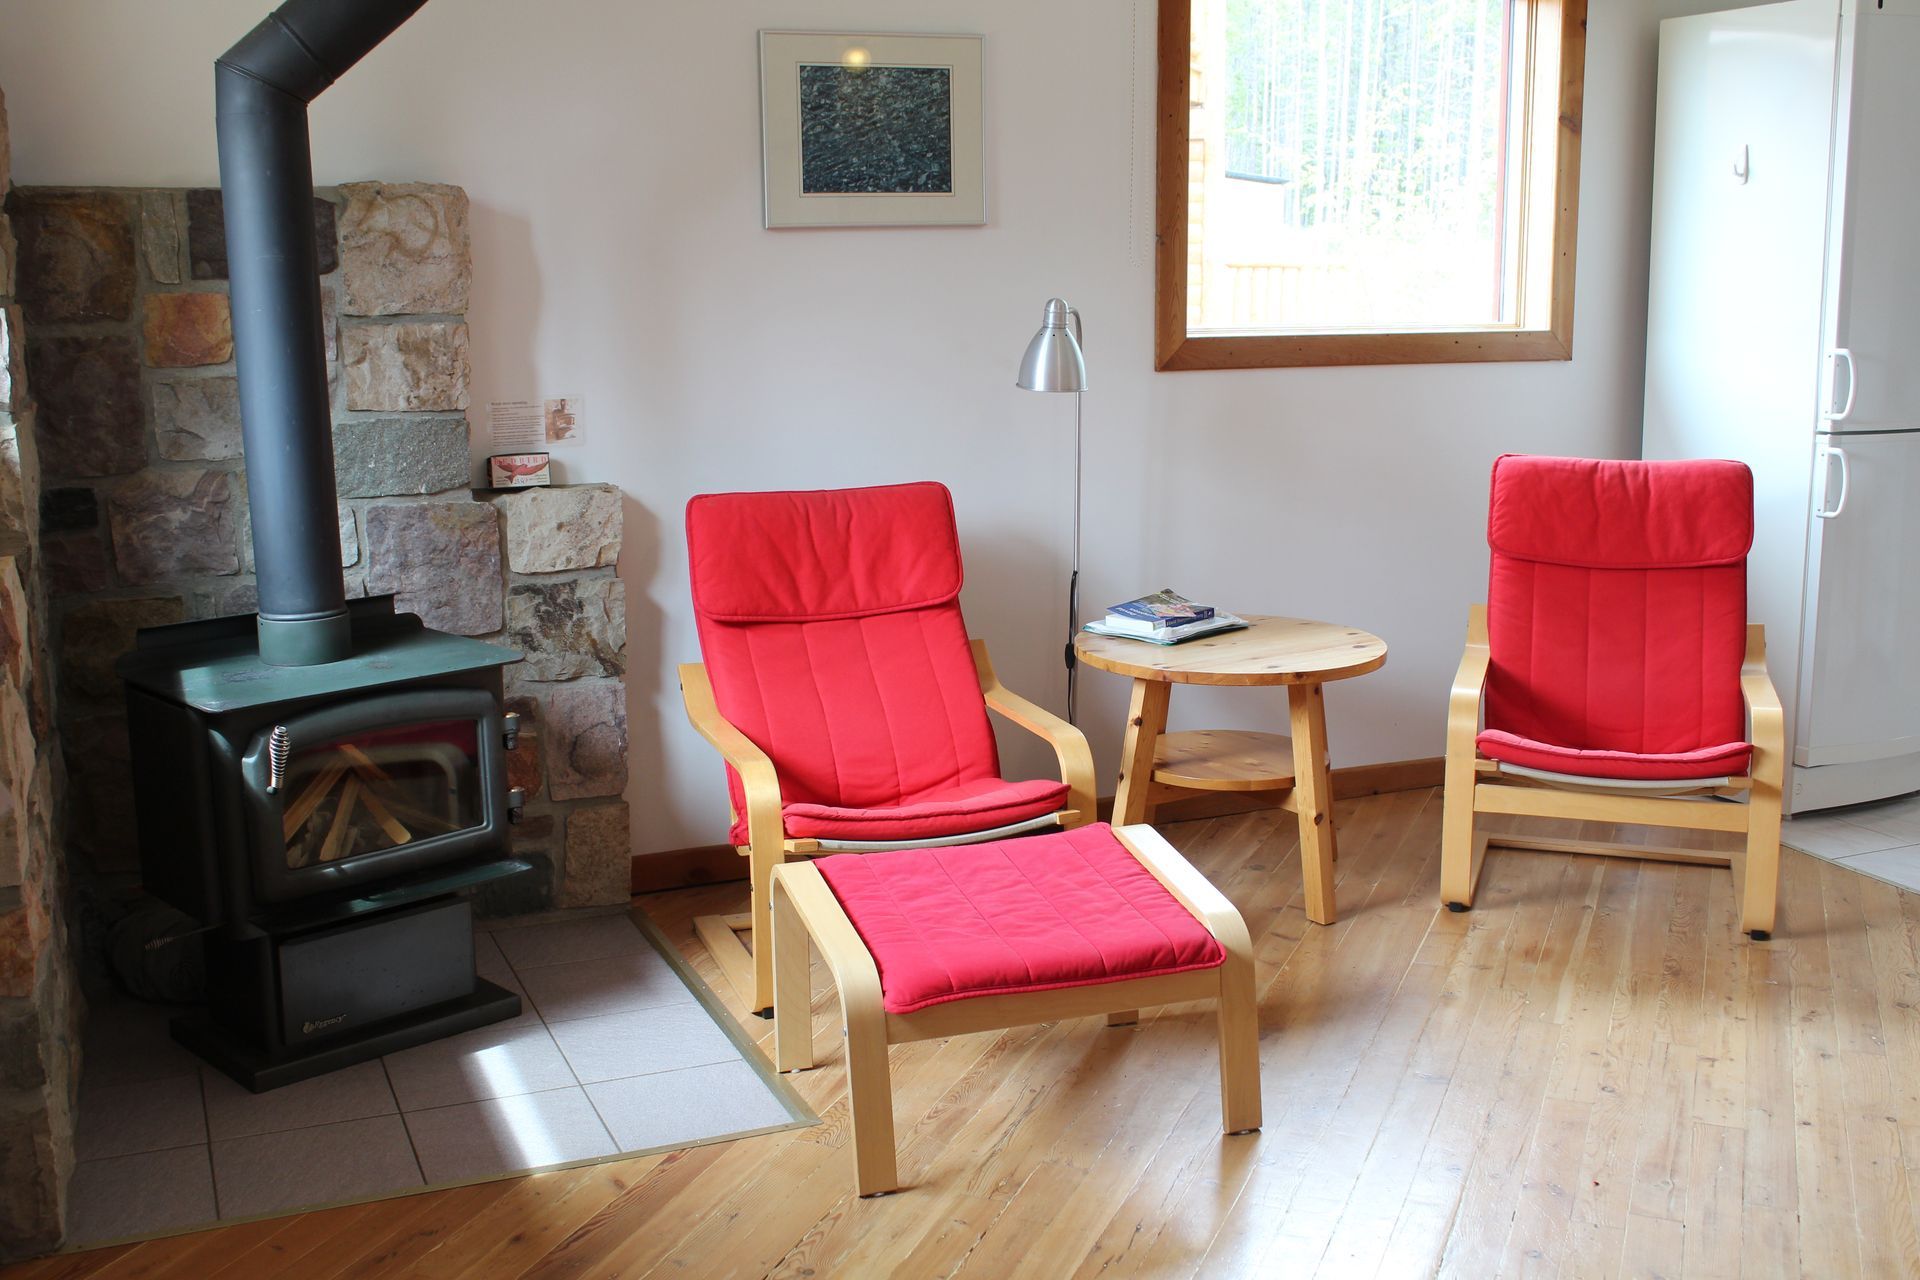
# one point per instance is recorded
(1064, 909)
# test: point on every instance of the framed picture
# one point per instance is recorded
(871, 130)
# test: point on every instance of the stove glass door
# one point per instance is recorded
(378, 789)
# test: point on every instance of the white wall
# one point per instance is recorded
(611, 150)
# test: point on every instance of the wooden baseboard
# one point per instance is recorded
(719, 863)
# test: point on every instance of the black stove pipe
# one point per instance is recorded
(261, 90)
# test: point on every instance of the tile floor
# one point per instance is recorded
(613, 1053)
(1880, 839)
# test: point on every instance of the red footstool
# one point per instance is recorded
(924, 943)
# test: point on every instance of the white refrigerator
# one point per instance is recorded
(1783, 329)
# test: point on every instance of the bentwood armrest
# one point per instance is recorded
(1191, 889)
(1470, 681)
(757, 776)
(1766, 719)
(1069, 744)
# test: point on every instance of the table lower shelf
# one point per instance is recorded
(1223, 760)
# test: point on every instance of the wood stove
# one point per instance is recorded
(325, 823)
(321, 785)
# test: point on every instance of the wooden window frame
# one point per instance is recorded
(1176, 349)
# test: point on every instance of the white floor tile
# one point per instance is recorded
(139, 1195)
(644, 1041)
(507, 1135)
(593, 988)
(121, 1119)
(1898, 866)
(499, 1061)
(351, 1093)
(562, 941)
(1831, 836)
(275, 1172)
(674, 1107)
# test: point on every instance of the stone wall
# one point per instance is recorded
(145, 518)
(40, 1004)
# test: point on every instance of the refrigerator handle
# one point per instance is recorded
(1826, 455)
(1835, 358)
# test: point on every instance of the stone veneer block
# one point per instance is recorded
(404, 249)
(169, 524)
(88, 391)
(568, 629)
(599, 866)
(586, 741)
(76, 259)
(9, 255)
(66, 510)
(394, 457)
(207, 234)
(406, 368)
(76, 565)
(523, 762)
(161, 217)
(569, 527)
(441, 560)
(197, 419)
(96, 633)
(185, 329)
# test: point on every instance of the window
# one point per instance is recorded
(1367, 181)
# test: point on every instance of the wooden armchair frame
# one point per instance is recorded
(1475, 785)
(804, 906)
(751, 971)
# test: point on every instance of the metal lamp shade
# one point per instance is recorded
(1053, 361)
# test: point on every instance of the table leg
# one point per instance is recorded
(1313, 795)
(1146, 721)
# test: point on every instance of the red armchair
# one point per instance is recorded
(842, 691)
(1619, 679)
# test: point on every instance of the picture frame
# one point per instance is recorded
(871, 130)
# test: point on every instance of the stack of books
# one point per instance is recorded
(1164, 617)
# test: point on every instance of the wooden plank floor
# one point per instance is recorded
(1589, 1074)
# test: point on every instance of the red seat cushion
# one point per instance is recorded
(979, 805)
(1066, 909)
(1729, 759)
(1616, 608)
(830, 623)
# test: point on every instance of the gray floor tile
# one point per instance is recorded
(490, 964)
(128, 1041)
(139, 1195)
(1900, 866)
(686, 1106)
(274, 1172)
(492, 1062)
(592, 988)
(644, 1041)
(1826, 835)
(352, 1093)
(121, 1119)
(1899, 818)
(563, 941)
(507, 1135)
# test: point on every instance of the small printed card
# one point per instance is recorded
(520, 470)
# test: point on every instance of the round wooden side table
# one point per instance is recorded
(1156, 766)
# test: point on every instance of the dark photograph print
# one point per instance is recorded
(867, 130)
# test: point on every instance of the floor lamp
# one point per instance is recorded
(1054, 363)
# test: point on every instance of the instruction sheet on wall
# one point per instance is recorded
(517, 425)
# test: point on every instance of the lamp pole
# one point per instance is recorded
(1054, 362)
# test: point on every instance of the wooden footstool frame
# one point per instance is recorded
(804, 906)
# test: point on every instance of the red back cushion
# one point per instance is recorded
(1617, 606)
(830, 624)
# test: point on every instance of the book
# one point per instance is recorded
(1170, 635)
(1162, 608)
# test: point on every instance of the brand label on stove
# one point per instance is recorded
(308, 1028)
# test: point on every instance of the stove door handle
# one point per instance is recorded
(279, 747)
